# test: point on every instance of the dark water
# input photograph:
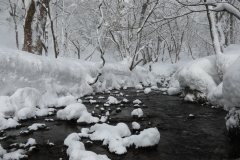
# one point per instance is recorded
(204, 137)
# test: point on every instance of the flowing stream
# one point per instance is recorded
(202, 137)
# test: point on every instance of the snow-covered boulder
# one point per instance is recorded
(112, 100)
(71, 138)
(197, 78)
(8, 123)
(111, 136)
(136, 126)
(76, 151)
(137, 112)
(72, 111)
(147, 90)
(87, 118)
(147, 138)
(231, 85)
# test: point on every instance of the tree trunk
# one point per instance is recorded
(27, 46)
(41, 25)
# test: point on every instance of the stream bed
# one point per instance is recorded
(202, 137)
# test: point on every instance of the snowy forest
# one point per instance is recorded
(105, 79)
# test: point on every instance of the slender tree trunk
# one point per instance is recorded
(27, 46)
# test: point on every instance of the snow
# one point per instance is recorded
(154, 88)
(76, 151)
(111, 136)
(8, 123)
(36, 126)
(2, 151)
(231, 85)
(147, 138)
(71, 138)
(147, 90)
(137, 101)
(139, 86)
(72, 111)
(18, 154)
(137, 112)
(112, 100)
(136, 126)
(30, 142)
(88, 118)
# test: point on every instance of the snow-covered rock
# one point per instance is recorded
(76, 151)
(196, 79)
(18, 154)
(136, 126)
(112, 100)
(137, 112)
(231, 85)
(147, 138)
(147, 90)
(138, 86)
(111, 136)
(87, 118)
(36, 126)
(137, 101)
(8, 123)
(2, 151)
(30, 142)
(71, 138)
(72, 111)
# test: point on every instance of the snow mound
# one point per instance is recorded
(30, 142)
(199, 75)
(18, 154)
(88, 118)
(137, 101)
(51, 99)
(136, 126)
(8, 123)
(231, 85)
(112, 100)
(147, 90)
(36, 126)
(72, 111)
(2, 151)
(147, 138)
(21, 104)
(111, 136)
(76, 151)
(139, 86)
(137, 112)
(71, 138)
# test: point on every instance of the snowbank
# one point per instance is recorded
(200, 75)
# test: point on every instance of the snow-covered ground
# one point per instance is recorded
(34, 85)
